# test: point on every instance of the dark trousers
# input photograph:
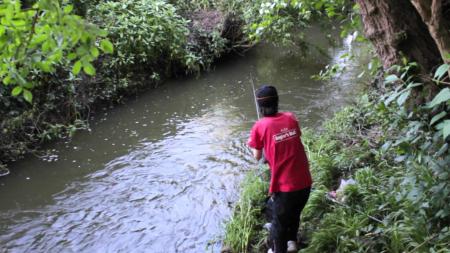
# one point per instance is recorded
(286, 210)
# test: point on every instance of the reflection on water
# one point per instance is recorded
(161, 173)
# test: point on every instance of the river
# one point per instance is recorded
(161, 172)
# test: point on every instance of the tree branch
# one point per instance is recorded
(32, 32)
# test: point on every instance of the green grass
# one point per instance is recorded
(353, 145)
(244, 227)
(398, 204)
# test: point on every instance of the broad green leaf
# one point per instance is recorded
(39, 38)
(107, 46)
(440, 126)
(71, 56)
(49, 45)
(438, 117)
(442, 150)
(16, 91)
(102, 33)
(19, 78)
(440, 72)
(391, 79)
(27, 95)
(68, 9)
(44, 4)
(82, 51)
(89, 69)
(94, 52)
(18, 23)
(46, 46)
(402, 99)
(7, 80)
(56, 57)
(446, 129)
(413, 85)
(318, 5)
(442, 96)
(9, 12)
(28, 85)
(76, 68)
(392, 97)
(45, 66)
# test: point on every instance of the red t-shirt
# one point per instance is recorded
(280, 137)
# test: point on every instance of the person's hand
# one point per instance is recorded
(257, 153)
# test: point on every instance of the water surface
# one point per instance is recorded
(161, 173)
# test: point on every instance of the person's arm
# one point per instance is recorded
(255, 142)
(257, 153)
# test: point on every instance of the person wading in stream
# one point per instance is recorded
(278, 133)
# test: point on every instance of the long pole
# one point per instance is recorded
(254, 96)
(260, 168)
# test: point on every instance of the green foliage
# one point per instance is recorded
(283, 21)
(442, 96)
(441, 71)
(194, 5)
(35, 40)
(400, 163)
(317, 204)
(55, 45)
(143, 32)
(439, 106)
(242, 228)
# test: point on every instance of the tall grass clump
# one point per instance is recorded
(243, 228)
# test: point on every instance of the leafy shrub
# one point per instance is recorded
(46, 44)
(193, 5)
(283, 21)
(35, 40)
(401, 199)
(145, 33)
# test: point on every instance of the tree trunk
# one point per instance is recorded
(432, 13)
(396, 29)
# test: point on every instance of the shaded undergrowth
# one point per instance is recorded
(400, 163)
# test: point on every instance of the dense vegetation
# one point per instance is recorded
(60, 59)
(400, 200)
(393, 142)
(400, 163)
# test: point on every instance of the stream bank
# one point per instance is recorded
(399, 201)
(162, 172)
(144, 58)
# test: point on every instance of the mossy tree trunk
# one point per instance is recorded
(396, 29)
(433, 13)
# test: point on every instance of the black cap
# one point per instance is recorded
(267, 96)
